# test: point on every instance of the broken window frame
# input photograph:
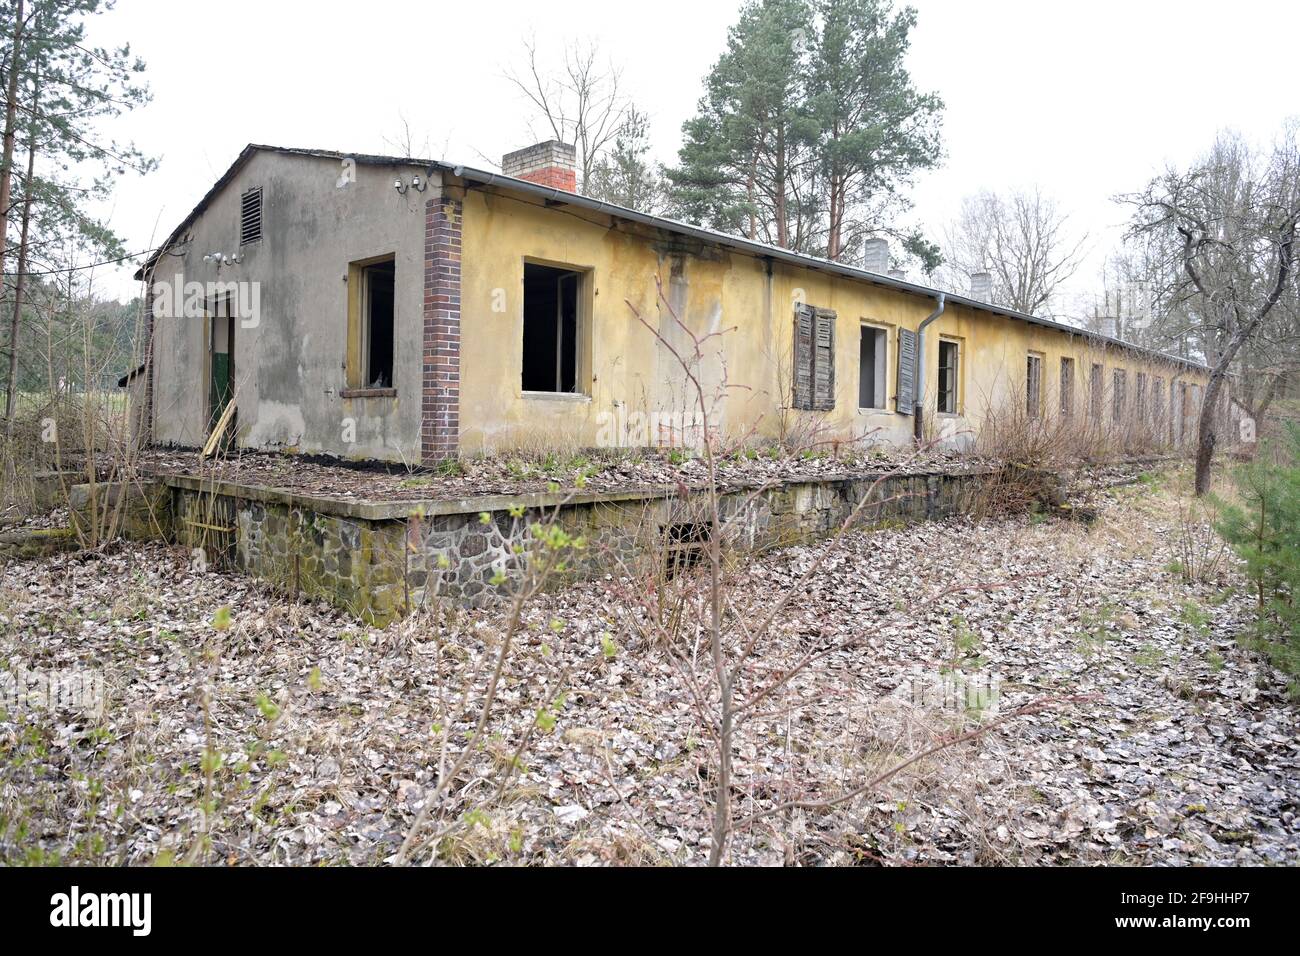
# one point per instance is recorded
(1034, 384)
(357, 371)
(219, 325)
(1067, 387)
(581, 276)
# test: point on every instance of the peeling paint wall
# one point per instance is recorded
(746, 367)
(289, 366)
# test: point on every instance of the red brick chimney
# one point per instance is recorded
(548, 164)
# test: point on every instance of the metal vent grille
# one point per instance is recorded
(250, 216)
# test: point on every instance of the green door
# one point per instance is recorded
(219, 389)
(221, 353)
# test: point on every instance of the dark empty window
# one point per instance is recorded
(948, 372)
(550, 329)
(1034, 385)
(871, 368)
(378, 329)
(684, 547)
(250, 216)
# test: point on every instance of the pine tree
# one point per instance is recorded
(626, 175)
(1264, 529)
(747, 164)
(809, 129)
(59, 89)
(876, 130)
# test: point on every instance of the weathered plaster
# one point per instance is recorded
(290, 367)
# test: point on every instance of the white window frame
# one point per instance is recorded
(882, 364)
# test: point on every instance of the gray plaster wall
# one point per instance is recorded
(289, 367)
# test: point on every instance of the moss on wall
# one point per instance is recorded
(378, 568)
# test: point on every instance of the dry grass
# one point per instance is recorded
(1051, 439)
(1200, 555)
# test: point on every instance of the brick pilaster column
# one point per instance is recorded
(440, 400)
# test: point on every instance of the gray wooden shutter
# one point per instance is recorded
(905, 400)
(804, 327)
(824, 361)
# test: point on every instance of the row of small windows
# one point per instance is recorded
(1149, 401)
(553, 337)
(814, 360)
(814, 366)
(1150, 397)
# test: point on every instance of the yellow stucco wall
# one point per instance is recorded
(747, 306)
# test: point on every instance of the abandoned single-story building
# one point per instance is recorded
(402, 310)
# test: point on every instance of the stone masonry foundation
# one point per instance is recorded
(380, 560)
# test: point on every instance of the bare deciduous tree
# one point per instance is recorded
(1121, 302)
(720, 639)
(1022, 239)
(1231, 221)
(1268, 363)
(580, 102)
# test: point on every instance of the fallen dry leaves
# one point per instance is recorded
(328, 734)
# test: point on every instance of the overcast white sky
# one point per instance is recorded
(1083, 100)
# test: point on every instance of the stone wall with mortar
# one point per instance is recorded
(138, 510)
(380, 559)
(354, 563)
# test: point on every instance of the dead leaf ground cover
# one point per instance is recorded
(512, 474)
(288, 733)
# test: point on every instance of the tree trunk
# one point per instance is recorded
(1261, 409)
(20, 283)
(11, 122)
(749, 195)
(1207, 432)
(1206, 428)
(778, 188)
(835, 223)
